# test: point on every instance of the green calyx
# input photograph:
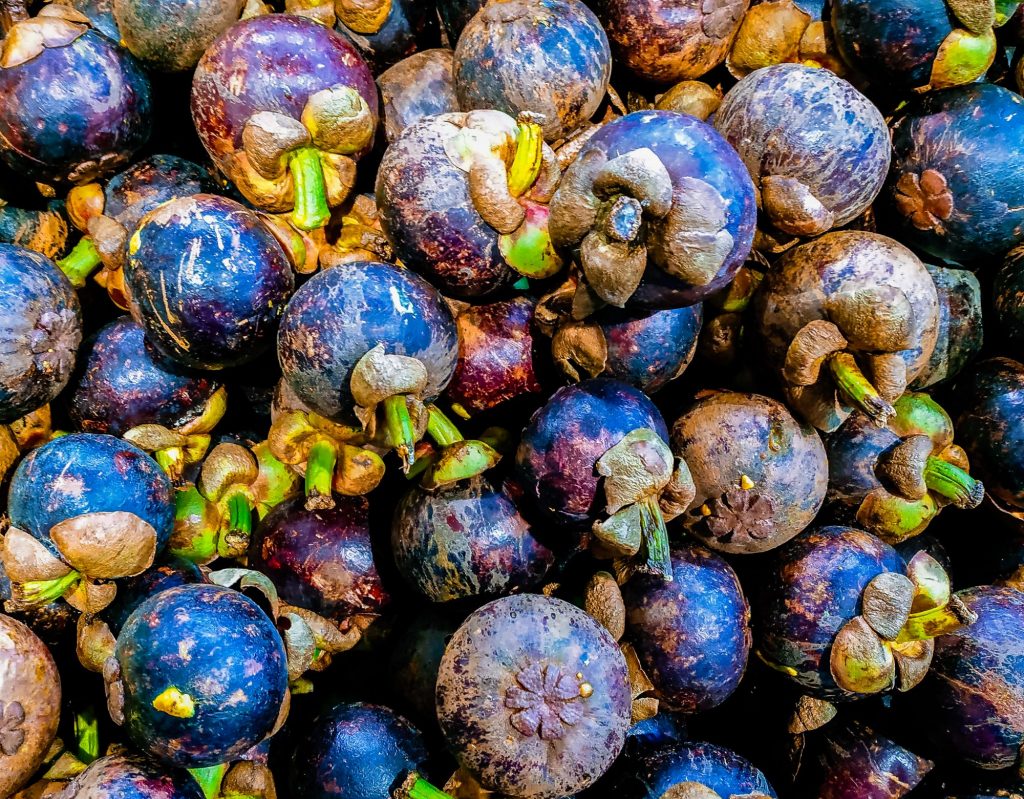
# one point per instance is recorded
(953, 483)
(196, 526)
(529, 249)
(441, 428)
(857, 389)
(81, 262)
(919, 414)
(458, 458)
(43, 592)
(893, 518)
(87, 736)
(311, 210)
(401, 432)
(415, 787)
(210, 779)
(320, 464)
(963, 57)
(937, 621)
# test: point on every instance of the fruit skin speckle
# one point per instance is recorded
(131, 776)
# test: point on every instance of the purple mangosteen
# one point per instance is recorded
(415, 88)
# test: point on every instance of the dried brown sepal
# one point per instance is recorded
(250, 779)
(769, 34)
(792, 207)
(901, 468)
(808, 351)
(114, 688)
(679, 493)
(27, 39)
(227, 465)
(639, 682)
(811, 713)
(109, 237)
(819, 405)
(690, 790)
(613, 269)
(550, 176)
(276, 195)
(602, 599)
(268, 137)
(888, 373)
(575, 207)
(358, 471)
(89, 598)
(640, 465)
(978, 16)
(694, 242)
(693, 97)
(585, 301)
(913, 659)
(620, 535)
(107, 544)
(339, 120)
(932, 588)
(249, 580)
(84, 203)
(25, 559)
(33, 429)
(363, 16)
(488, 189)
(874, 319)
(639, 174)
(299, 643)
(886, 603)
(568, 150)
(379, 375)
(580, 349)
(327, 635)
(94, 643)
(860, 662)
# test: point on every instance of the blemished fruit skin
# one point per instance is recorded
(340, 314)
(131, 776)
(974, 693)
(40, 331)
(1008, 293)
(356, 751)
(860, 764)
(169, 571)
(410, 26)
(692, 634)
(217, 647)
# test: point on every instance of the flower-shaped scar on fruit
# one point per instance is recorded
(893, 480)
(284, 106)
(84, 509)
(463, 200)
(844, 615)
(849, 319)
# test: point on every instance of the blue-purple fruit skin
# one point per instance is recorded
(132, 776)
(417, 87)
(170, 36)
(652, 773)
(207, 281)
(123, 381)
(972, 137)
(220, 648)
(777, 118)
(320, 560)
(693, 634)
(411, 25)
(859, 764)
(991, 428)
(40, 331)
(89, 473)
(131, 194)
(555, 462)
(342, 313)
(356, 751)
(892, 42)
(464, 541)
(169, 571)
(549, 57)
(853, 453)
(428, 215)
(456, 13)
(974, 694)
(1008, 294)
(648, 349)
(486, 675)
(75, 112)
(961, 326)
(814, 589)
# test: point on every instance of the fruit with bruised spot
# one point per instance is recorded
(199, 676)
(775, 118)
(77, 107)
(45, 232)
(559, 715)
(961, 326)
(386, 31)
(893, 480)
(760, 475)
(207, 281)
(547, 57)
(108, 214)
(39, 333)
(463, 200)
(660, 209)
(84, 507)
(417, 87)
(466, 540)
(285, 106)
(848, 320)
(666, 43)
(956, 186)
(604, 428)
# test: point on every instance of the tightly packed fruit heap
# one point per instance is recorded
(512, 399)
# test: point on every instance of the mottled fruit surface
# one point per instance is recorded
(961, 327)
(416, 87)
(1008, 293)
(131, 776)
(172, 36)
(859, 764)
(169, 571)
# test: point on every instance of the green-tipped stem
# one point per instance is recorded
(653, 557)
(210, 779)
(311, 210)
(953, 483)
(43, 592)
(937, 621)
(441, 428)
(320, 463)
(415, 787)
(400, 430)
(81, 262)
(523, 284)
(87, 736)
(172, 461)
(239, 513)
(857, 390)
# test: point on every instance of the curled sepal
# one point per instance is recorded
(327, 635)
(938, 621)
(888, 372)
(85, 203)
(819, 404)
(94, 642)
(113, 686)
(461, 460)
(528, 249)
(603, 600)
(932, 588)
(613, 269)
(894, 519)
(913, 659)
(640, 465)
(873, 318)
(580, 349)
(886, 603)
(197, 525)
(695, 242)
(89, 597)
(299, 643)
(811, 713)
(28, 38)
(303, 247)
(792, 207)
(639, 174)
(226, 479)
(901, 468)
(378, 375)
(247, 579)
(26, 559)
(106, 545)
(268, 138)
(363, 16)
(339, 120)
(619, 534)
(680, 492)
(640, 686)
(809, 350)
(860, 661)
(962, 58)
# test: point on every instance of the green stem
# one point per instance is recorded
(209, 779)
(43, 592)
(953, 483)
(87, 736)
(400, 429)
(654, 557)
(857, 389)
(441, 428)
(81, 262)
(311, 211)
(240, 513)
(320, 463)
(421, 789)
